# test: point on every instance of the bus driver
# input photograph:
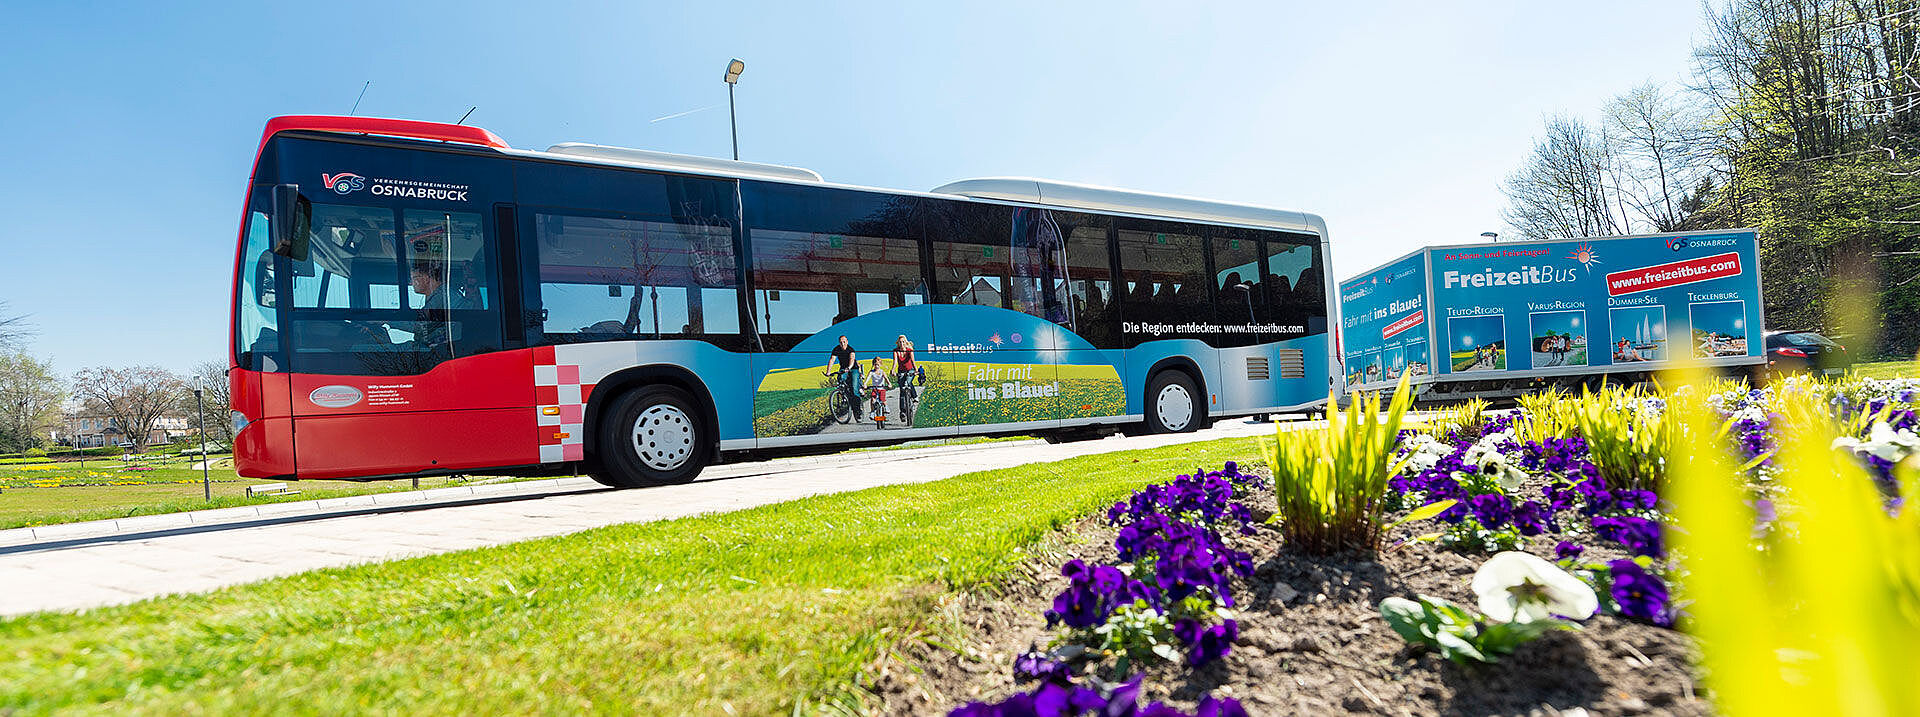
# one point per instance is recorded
(438, 298)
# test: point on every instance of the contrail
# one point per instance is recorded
(680, 114)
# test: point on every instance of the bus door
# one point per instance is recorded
(390, 309)
(1247, 350)
(838, 292)
(999, 330)
(396, 349)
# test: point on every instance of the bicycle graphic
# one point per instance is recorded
(842, 399)
(910, 384)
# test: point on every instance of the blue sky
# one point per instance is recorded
(129, 131)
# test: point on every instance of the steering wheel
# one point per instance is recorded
(375, 333)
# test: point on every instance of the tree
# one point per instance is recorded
(30, 399)
(1566, 188)
(212, 375)
(1803, 121)
(133, 398)
(1817, 112)
(1658, 143)
(14, 329)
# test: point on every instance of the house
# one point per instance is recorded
(88, 430)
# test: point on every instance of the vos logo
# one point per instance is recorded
(1676, 243)
(344, 182)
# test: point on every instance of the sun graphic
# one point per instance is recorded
(995, 338)
(1584, 254)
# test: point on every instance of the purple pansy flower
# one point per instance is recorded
(1638, 593)
(1638, 535)
(1568, 550)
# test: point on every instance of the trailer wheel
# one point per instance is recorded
(651, 435)
(1173, 404)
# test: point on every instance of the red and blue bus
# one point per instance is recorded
(413, 298)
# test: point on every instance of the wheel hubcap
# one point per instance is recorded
(1174, 407)
(663, 437)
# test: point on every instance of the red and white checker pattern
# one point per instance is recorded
(560, 407)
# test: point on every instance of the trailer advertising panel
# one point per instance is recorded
(1563, 308)
(1384, 325)
(1620, 303)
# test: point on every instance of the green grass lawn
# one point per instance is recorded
(23, 507)
(1888, 369)
(770, 610)
(66, 492)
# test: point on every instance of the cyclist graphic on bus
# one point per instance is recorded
(860, 391)
(908, 376)
(877, 386)
(847, 375)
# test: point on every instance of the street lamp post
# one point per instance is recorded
(734, 68)
(1490, 236)
(74, 438)
(200, 406)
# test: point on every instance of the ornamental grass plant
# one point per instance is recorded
(1330, 482)
(1628, 432)
(1460, 421)
(1809, 604)
(1544, 415)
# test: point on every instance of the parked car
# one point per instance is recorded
(1795, 351)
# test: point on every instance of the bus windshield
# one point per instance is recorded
(390, 291)
(399, 271)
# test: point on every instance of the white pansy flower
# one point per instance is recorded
(1495, 466)
(1423, 452)
(1887, 444)
(1520, 587)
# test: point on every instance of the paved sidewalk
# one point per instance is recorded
(132, 560)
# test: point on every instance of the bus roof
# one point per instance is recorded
(1108, 199)
(1023, 190)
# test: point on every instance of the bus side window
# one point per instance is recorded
(1094, 308)
(987, 255)
(808, 281)
(257, 337)
(1237, 282)
(1293, 284)
(1164, 266)
(823, 256)
(448, 254)
(609, 278)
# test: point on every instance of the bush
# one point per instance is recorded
(1330, 482)
(34, 453)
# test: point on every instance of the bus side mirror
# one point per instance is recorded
(291, 214)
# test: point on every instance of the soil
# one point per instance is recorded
(1312, 642)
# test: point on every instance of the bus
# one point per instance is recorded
(414, 298)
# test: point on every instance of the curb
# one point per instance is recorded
(95, 528)
(17, 537)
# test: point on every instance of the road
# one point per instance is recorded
(114, 562)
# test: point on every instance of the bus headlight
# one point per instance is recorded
(239, 422)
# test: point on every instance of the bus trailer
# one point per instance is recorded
(1498, 320)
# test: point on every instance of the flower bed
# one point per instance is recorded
(1310, 640)
(1525, 561)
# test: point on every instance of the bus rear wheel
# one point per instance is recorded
(650, 436)
(1173, 404)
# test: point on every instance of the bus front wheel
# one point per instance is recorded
(1173, 404)
(651, 435)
